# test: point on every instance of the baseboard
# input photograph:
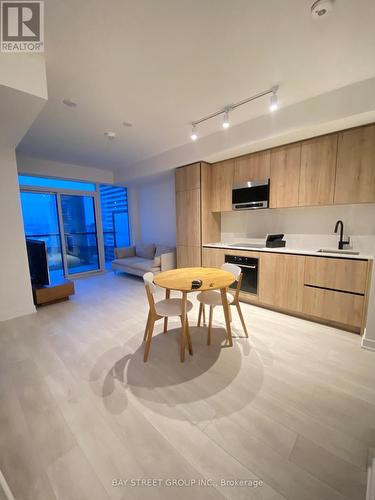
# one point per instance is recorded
(366, 343)
(5, 488)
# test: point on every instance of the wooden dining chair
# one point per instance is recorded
(163, 309)
(212, 298)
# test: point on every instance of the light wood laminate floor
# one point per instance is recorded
(292, 406)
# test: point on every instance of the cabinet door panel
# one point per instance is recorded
(188, 216)
(188, 256)
(253, 167)
(188, 177)
(341, 307)
(285, 174)
(355, 177)
(222, 183)
(339, 274)
(318, 168)
(281, 280)
(213, 257)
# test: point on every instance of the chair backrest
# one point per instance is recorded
(232, 268)
(237, 273)
(150, 289)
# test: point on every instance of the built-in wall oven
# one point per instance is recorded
(249, 266)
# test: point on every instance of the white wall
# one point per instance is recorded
(15, 287)
(153, 211)
(38, 166)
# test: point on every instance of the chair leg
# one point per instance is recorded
(241, 318)
(200, 314)
(210, 325)
(204, 314)
(230, 314)
(147, 326)
(165, 324)
(190, 345)
(148, 341)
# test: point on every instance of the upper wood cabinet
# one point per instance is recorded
(284, 177)
(221, 186)
(355, 177)
(188, 177)
(253, 167)
(318, 169)
(281, 280)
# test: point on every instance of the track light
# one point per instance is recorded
(194, 135)
(274, 101)
(226, 123)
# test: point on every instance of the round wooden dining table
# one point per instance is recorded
(181, 280)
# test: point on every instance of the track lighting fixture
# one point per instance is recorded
(274, 101)
(226, 123)
(194, 135)
(225, 111)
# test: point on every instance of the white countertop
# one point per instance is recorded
(298, 251)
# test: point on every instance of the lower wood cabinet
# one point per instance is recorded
(346, 275)
(213, 257)
(281, 279)
(188, 256)
(325, 288)
(340, 307)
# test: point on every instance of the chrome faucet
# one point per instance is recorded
(342, 242)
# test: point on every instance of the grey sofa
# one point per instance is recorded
(140, 259)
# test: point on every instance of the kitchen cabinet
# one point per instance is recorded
(195, 223)
(347, 275)
(253, 167)
(213, 257)
(221, 186)
(318, 170)
(188, 177)
(188, 256)
(331, 305)
(355, 177)
(281, 280)
(188, 227)
(285, 176)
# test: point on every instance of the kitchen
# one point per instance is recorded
(315, 201)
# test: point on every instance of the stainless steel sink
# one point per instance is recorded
(330, 250)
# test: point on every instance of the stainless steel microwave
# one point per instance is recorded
(251, 195)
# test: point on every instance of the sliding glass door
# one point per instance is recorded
(80, 233)
(41, 222)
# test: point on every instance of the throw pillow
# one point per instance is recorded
(145, 251)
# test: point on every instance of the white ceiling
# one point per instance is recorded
(160, 64)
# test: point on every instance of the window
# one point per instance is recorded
(47, 182)
(115, 218)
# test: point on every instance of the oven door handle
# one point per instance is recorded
(248, 267)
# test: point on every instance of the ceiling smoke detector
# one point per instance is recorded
(321, 8)
(110, 135)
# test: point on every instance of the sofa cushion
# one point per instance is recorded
(158, 252)
(128, 261)
(145, 251)
(146, 265)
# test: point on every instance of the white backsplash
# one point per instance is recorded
(306, 228)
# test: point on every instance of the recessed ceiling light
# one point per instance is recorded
(110, 135)
(70, 103)
(127, 124)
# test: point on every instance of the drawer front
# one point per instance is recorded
(338, 274)
(341, 307)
